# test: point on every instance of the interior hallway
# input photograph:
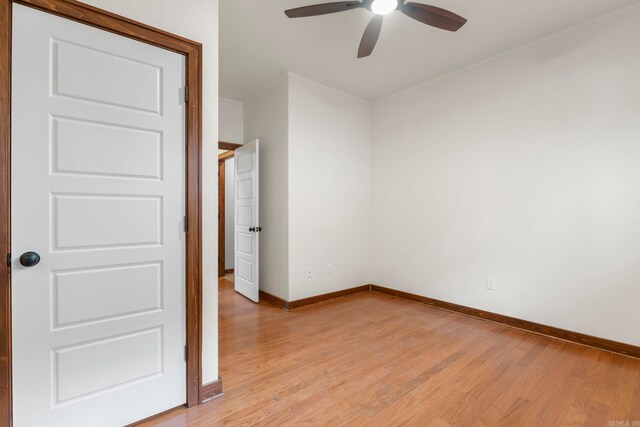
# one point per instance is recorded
(371, 359)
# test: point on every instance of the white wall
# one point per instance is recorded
(229, 213)
(329, 189)
(196, 20)
(230, 118)
(524, 168)
(266, 119)
(314, 187)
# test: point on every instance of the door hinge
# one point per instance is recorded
(9, 260)
(186, 94)
(186, 352)
(186, 224)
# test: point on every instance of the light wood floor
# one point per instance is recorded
(371, 359)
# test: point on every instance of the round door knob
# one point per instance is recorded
(252, 229)
(29, 259)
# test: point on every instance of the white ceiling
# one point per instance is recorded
(258, 42)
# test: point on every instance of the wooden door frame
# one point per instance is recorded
(231, 147)
(192, 51)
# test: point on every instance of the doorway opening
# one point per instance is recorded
(238, 217)
(226, 186)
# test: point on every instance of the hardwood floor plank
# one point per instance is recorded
(369, 359)
(552, 392)
(624, 388)
(591, 371)
(635, 403)
(427, 394)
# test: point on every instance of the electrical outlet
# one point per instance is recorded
(328, 269)
(309, 272)
(491, 283)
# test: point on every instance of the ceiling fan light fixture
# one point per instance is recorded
(384, 7)
(429, 15)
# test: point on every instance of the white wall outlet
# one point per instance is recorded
(328, 269)
(309, 272)
(491, 283)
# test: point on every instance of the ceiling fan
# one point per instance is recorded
(430, 15)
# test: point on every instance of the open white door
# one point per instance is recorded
(247, 225)
(98, 184)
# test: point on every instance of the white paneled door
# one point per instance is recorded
(247, 225)
(98, 184)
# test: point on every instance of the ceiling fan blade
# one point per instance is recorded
(323, 9)
(434, 16)
(370, 37)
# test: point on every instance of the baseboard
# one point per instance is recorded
(326, 297)
(211, 391)
(292, 305)
(229, 270)
(274, 300)
(550, 331)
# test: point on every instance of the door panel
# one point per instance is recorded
(98, 178)
(99, 289)
(247, 219)
(96, 222)
(124, 81)
(85, 148)
(139, 357)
